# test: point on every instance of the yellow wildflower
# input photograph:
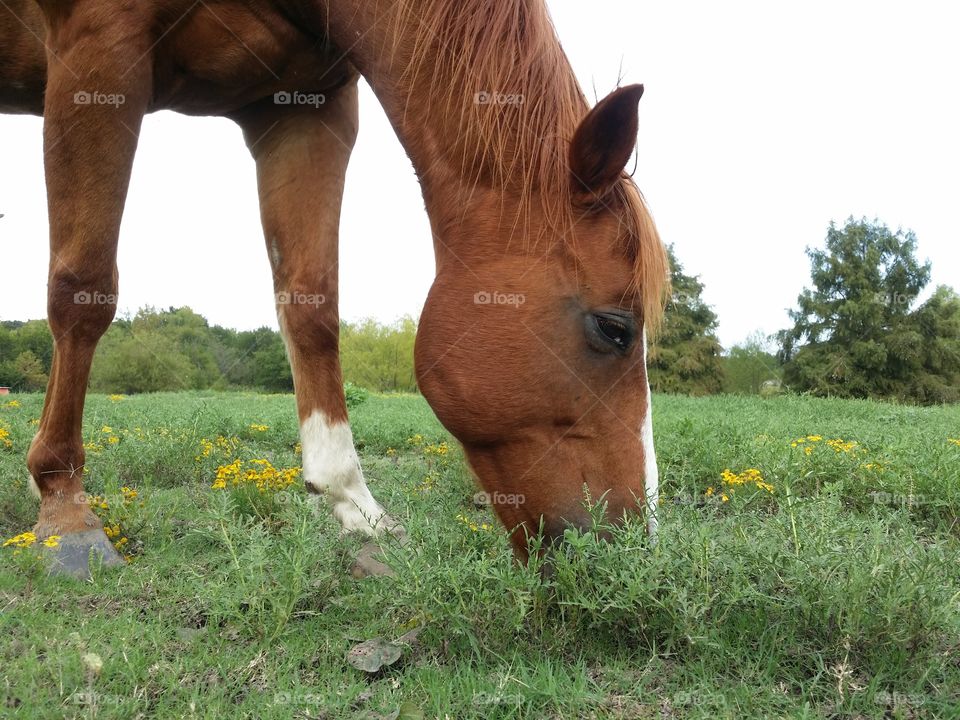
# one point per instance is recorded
(259, 428)
(23, 540)
(750, 476)
(118, 398)
(841, 446)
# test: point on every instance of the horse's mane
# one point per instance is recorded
(504, 48)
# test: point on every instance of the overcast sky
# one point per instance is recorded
(761, 123)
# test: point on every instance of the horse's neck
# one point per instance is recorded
(387, 41)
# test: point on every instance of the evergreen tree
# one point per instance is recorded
(686, 355)
(854, 334)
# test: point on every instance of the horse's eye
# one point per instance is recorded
(608, 331)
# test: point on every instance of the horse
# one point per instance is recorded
(550, 274)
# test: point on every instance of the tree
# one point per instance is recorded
(24, 373)
(686, 355)
(142, 363)
(749, 365)
(379, 357)
(854, 334)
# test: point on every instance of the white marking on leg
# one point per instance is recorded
(34, 488)
(331, 466)
(651, 473)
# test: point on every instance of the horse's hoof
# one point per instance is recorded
(369, 563)
(74, 553)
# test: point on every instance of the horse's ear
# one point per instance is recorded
(603, 143)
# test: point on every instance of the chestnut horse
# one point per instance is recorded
(549, 271)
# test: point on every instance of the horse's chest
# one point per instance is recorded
(226, 55)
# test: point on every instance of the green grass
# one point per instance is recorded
(836, 596)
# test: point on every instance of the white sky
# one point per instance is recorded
(761, 122)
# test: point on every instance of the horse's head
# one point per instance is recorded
(531, 345)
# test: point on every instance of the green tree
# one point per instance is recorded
(379, 357)
(24, 373)
(140, 363)
(854, 333)
(748, 365)
(686, 355)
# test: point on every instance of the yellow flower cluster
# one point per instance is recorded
(27, 539)
(5, 440)
(13, 404)
(473, 525)
(221, 446)
(114, 521)
(114, 531)
(807, 443)
(439, 450)
(730, 481)
(954, 441)
(259, 473)
(839, 446)
(117, 398)
(842, 446)
(259, 428)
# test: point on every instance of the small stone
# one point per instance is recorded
(368, 563)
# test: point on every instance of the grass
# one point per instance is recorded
(836, 595)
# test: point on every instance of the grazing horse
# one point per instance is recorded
(549, 271)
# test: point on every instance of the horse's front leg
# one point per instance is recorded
(97, 91)
(301, 155)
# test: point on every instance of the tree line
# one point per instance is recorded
(177, 349)
(858, 331)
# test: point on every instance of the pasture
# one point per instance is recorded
(807, 567)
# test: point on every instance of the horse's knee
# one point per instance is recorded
(79, 307)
